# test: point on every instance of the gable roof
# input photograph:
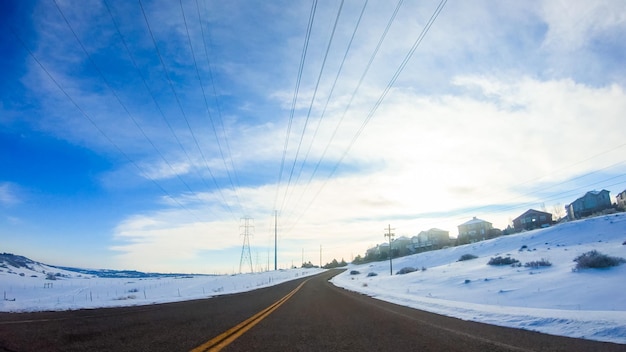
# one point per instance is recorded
(474, 221)
(593, 193)
(532, 211)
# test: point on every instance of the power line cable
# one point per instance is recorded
(535, 191)
(330, 95)
(117, 97)
(100, 130)
(217, 102)
(399, 70)
(171, 85)
(158, 106)
(356, 89)
(206, 104)
(319, 78)
(295, 96)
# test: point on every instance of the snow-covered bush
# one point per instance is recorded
(538, 263)
(467, 257)
(406, 270)
(595, 259)
(502, 261)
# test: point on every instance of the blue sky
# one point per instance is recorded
(138, 134)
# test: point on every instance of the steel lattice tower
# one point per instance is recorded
(245, 248)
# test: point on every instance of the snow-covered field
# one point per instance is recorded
(589, 303)
(33, 292)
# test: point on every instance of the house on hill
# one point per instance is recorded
(431, 239)
(380, 251)
(474, 230)
(401, 246)
(532, 219)
(591, 202)
(620, 200)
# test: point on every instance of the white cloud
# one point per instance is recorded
(573, 24)
(8, 194)
(425, 155)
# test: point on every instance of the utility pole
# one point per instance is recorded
(245, 248)
(390, 235)
(275, 240)
(320, 256)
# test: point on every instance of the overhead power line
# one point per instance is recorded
(160, 110)
(308, 115)
(323, 113)
(119, 100)
(354, 92)
(100, 130)
(399, 70)
(295, 96)
(208, 111)
(178, 102)
(217, 102)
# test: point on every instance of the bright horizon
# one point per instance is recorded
(137, 135)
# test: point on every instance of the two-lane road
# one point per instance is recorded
(314, 316)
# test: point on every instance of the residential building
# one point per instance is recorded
(532, 219)
(474, 230)
(431, 239)
(401, 246)
(591, 202)
(620, 200)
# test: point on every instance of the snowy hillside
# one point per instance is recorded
(555, 299)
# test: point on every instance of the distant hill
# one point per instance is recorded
(20, 265)
(108, 273)
(16, 261)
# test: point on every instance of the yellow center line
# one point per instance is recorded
(230, 335)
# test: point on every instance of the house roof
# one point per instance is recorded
(434, 229)
(474, 221)
(531, 211)
(593, 193)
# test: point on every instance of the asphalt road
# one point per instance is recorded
(313, 315)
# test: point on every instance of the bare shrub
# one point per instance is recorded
(406, 270)
(502, 261)
(538, 263)
(467, 257)
(595, 260)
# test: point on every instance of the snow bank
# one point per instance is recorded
(556, 299)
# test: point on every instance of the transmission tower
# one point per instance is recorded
(245, 249)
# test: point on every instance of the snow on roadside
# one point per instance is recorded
(556, 300)
(32, 292)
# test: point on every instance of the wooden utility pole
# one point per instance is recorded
(275, 240)
(390, 235)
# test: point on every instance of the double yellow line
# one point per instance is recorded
(227, 337)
